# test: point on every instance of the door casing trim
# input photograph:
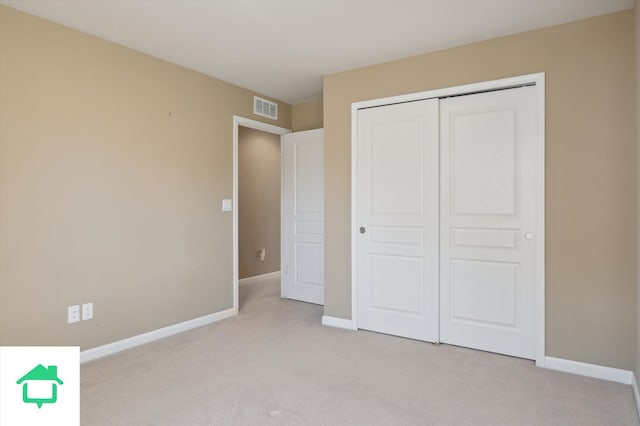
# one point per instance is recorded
(537, 79)
(265, 127)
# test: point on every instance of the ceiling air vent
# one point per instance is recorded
(265, 108)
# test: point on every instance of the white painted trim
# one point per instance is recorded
(259, 125)
(265, 127)
(354, 215)
(262, 277)
(539, 80)
(540, 310)
(338, 322)
(283, 230)
(151, 336)
(636, 395)
(589, 370)
(454, 90)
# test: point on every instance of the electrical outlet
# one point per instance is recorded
(73, 314)
(87, 311)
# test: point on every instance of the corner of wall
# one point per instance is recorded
(636, 371)
(307, 115)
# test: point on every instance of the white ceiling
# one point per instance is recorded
(282, 48)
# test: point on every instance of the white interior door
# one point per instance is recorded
(303, 216)
(397, 211)
(488, 221)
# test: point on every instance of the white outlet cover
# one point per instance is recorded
(87, 311)
(227, 205)
(73, 314)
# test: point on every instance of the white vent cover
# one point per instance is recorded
(265, 108)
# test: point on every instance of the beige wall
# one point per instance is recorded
(307, 116)
(258, 201)
(113, 165)
(590, 171)
(636, 11)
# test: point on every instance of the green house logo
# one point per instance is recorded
(41, 378)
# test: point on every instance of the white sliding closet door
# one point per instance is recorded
(397, 211)
(489, 173)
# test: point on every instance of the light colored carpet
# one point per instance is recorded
(276, 364)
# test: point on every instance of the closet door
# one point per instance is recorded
(397, 212)
(488, 251)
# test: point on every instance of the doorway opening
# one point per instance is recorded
(256, 249)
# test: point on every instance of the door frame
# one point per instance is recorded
(537, 79)
(265, 127)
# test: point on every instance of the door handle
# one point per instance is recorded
(528, 236)
(362, 230)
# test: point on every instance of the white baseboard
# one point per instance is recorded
(141, 339)
(338, 322)
(589, 370)
(262, 277)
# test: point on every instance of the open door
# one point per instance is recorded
(303, 216)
